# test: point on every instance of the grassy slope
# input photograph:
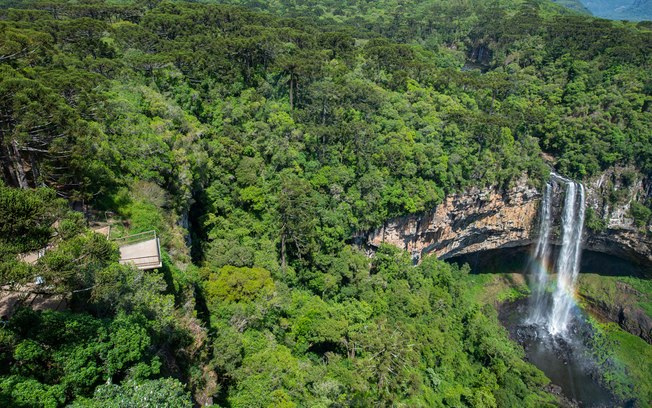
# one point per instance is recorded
(635, 356)
(490, 288)
(617, 290)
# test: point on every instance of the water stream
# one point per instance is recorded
(555, 315)
(539, 264)
(549, 325)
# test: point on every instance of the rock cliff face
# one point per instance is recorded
(477, 220)
(628, 317)
(610, 196)
(484, 219)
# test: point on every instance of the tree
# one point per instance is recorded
(297, 217)
(233, 284)
(27, 218)
(164, 392)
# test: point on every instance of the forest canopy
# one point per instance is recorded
(257, 138)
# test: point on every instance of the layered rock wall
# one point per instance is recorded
(491, 218)
(477, 220)
(610, 196)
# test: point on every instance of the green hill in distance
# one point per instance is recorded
(633, 10)
(573, 5)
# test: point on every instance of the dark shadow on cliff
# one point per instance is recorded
(515, 260)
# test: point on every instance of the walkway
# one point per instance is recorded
(142, 250)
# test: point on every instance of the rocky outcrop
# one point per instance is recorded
(492, 218)
(622, 307)
(477, 220)
(629, 318)
(610, 197)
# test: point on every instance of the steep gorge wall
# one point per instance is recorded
(477, 220)
(610, 195)
(490, 218)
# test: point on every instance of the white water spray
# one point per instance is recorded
(568, 263)
(539, 267)
(556, 318)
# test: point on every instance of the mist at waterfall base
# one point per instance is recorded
(566, 361)
(549, 325)
(557, 316)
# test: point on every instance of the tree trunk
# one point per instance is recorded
(283, 264)
(21, 177)
(323, 112)
(9, 174)
(35, 172)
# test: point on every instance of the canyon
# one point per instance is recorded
(487, 219)
(482, 219)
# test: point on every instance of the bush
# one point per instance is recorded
(640, 213)
(593, 222)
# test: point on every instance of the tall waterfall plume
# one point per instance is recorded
(555, 315)
(539, 265)
(568, 263)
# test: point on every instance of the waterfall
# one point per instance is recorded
(539, 266)
(555, 317)
(568, 263)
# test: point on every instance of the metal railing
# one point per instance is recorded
(143, 262)
(152, 257)
(135, 238)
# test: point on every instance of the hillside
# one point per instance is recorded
(258, 138)
(633, 10)
(576, 5)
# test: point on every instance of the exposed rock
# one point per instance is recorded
(562, 400)
(491, 218)
(477, 220)
(629, 317)
(610, 195)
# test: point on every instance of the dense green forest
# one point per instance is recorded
(257, 138)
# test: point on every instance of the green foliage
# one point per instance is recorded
(24, 392)
(275, 140)
(124, 342)
(632, 353)
(593, 222)
(50, 358)
(73, 263)
(33, 220)
(615, 360)
(410, 336)
(233, 284)
(165, 392)
(617, 292)
(59, 356)
(26, 218)
(640, 213)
